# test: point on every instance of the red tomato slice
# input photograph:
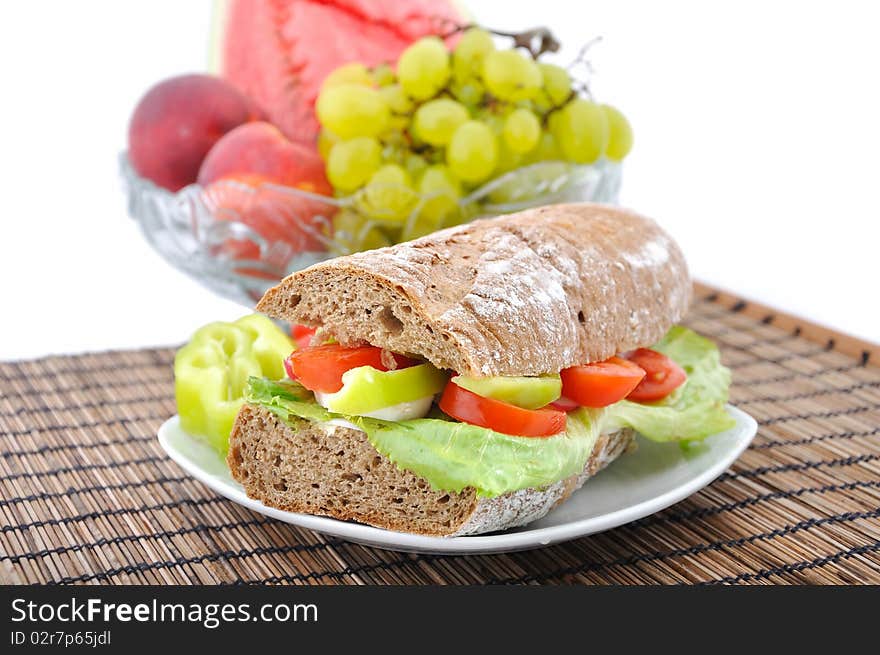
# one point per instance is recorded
(663, 375)
(601, 383)
(502, 417)
(320, 368)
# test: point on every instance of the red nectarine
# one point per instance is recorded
(244, 175)
(260, 150)
(178, 121)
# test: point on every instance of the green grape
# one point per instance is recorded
(415, 165)
(389, 195)
(382, 75)
(440, 192)
(472, 154)
(353, 232)
(423, 68)
(397, 100)
(351, 110)
(546, 150)
(398, 126)
(508, 75)
(508, 159)
(351, 163)
(581, 130)
(554, 120)
(557, 83)
(621, 138)
(352, 73)
(493, 120)
(394, 153)
(521, 130)
(396, 134)
(435, 156)
(326, 141)
(436, 120)
(469, 93)
(439, 179)
(542, 105)
(472, 48)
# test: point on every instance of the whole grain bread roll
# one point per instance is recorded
(524, 294)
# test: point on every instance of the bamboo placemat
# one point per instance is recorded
(89, 496)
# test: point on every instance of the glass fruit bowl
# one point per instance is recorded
(238, 240)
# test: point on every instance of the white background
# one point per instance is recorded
(757, 143)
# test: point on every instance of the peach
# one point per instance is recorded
(260, 150)
(243, 177)
(178, 121)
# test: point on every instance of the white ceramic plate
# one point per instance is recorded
(654, 477)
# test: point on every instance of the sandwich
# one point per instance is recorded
(472, 380)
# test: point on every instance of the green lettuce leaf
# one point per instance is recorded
(286, 399)
(696, 409)
(451, 455)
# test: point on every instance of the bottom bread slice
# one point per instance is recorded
(318, 468)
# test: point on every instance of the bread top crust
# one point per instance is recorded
(522, 294)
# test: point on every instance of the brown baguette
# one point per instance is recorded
(524, 294)
(334, 471)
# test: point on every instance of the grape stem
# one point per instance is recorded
(583, 60)
(537, 40)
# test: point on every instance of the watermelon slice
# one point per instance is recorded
(279, 51)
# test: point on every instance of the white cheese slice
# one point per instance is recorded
(400, 412)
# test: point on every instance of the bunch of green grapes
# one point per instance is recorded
(408, 145)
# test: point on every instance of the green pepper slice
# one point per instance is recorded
(366, 389)
(211, 373)
(525, 392)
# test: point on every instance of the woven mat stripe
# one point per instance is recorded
(179, 531)
(853, 367)
(692, 550)
(799, 566)
(61, 427)
(137, 399)
(591, 566)
(103, 385)
(653, 520)
(854, 347)
(86, 495)
(123, 362)
(873, 384)
(743, 473)
(42, 450)
(781, 443)
(71, 491)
